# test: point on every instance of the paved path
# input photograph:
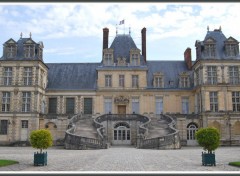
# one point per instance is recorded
(123, 159)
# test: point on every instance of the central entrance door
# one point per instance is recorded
(121, 109)
(121, 134)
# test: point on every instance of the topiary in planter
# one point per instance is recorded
(209, 139)
(41, 139)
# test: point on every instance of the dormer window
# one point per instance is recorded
(135, 57)
(231, 47)
(11, 51)
(231, 50)
(158, 80)
(28, 51)
(209, 48)
(108, 57)
(40, 53)
(184, 81)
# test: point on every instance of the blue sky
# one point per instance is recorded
(72, 32)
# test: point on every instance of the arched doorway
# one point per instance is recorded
(121, 134)
(191, 130)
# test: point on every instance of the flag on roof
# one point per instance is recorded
(121, 22)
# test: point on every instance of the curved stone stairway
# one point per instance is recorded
(159, 127)
(85, 128)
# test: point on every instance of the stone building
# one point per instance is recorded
(124, 83)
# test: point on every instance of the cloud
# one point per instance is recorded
(177, 21)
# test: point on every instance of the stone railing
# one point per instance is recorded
(170, 141)
(142, 129)
(116, 117)
(77, 142)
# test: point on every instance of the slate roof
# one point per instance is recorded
(20, 50)
(72, 76)
(171, 71)
(121, 45)
(219, 37)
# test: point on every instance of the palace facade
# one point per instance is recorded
(200, 93)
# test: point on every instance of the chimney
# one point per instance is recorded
(188, 58)
(144, 53)
(105, 38)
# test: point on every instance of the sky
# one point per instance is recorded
(73, 32)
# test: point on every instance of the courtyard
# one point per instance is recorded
(120, 159)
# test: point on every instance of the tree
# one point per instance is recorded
(41, 139)
(208, 138)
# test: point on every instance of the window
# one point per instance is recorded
(70, 104)
(213, 101)
(212, 74)
(52, 109)
(6, 102)
(28, 51)
(134, 80)
(134, 59)
(233, 75)
(158, 82)
(108, 59)
(24, 123)
(209, 50)
(236, 101)
(159, 105)
(7, 76)
(27, 76)
(197, 75)
(40, 53)
(121, 80)
(11, 51)
(185, 105)
(191, 130)
(87, 105)
(3, 127)
(108, 105)
(108, 80)
(26, 101)
(231, 50)
(184, 81)
(135, 105)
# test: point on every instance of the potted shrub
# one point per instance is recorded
(209, 139)
(41, 139)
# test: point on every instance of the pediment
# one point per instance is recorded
(158, 74)
(29, 41)
(231, 40)
(184, 73)
(11, 41)
(209, 40)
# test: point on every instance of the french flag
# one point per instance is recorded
(121, 22)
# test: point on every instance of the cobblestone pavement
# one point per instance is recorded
(123, 159)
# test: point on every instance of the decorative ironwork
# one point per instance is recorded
(121, 100)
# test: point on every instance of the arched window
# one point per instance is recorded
(191, 130)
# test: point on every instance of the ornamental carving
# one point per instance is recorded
(121, 100)
(121, 61)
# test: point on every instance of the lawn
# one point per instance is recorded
(236, 163)
(7, 162)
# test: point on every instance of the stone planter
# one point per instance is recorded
(40, 159)
(208, 159)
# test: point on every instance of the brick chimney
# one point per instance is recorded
(144, 52)
(188, 58)
(105, 37)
